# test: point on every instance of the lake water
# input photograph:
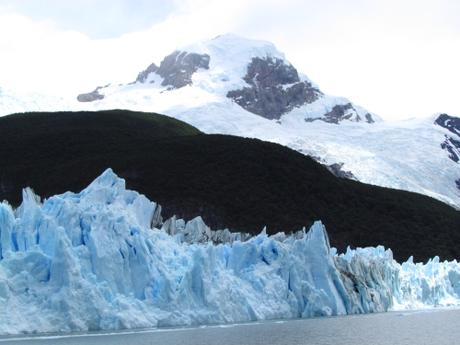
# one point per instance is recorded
(435, 327)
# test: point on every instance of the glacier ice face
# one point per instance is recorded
(91, 260)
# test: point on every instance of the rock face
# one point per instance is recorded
(337, 170)
(341, 112)
(449, 122)
(142, 76)
(90, 96)
(274, 88)
(451, 143)
(369, 118)
(452, 146)
(177, 69)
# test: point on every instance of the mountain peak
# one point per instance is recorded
(239, 48)
(244, 74)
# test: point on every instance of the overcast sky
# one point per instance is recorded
(399, 59)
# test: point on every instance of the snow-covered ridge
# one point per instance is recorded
(91, 260)
(253, 74)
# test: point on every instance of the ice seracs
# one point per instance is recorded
(92, 260)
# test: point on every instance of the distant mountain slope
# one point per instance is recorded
(241, 183)
(232, 85)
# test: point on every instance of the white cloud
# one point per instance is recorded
(397, 58)
(96, 18)
(36, 55)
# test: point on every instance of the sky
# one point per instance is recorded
(399, 59)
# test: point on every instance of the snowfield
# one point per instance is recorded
(93, 261)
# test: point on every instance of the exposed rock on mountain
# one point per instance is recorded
(449, 122)
(142, 76)
(342, 112)
(453, 147)
(176, 69)
(275, 88)
(90, 96)
(337, 170)
(452, 143)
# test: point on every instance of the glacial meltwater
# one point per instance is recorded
(432, 327)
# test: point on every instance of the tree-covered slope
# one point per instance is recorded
(243, 184)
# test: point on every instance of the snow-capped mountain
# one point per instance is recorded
(231, 71)
(102, 259)
(243, 87)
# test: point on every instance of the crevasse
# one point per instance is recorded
(95, 260)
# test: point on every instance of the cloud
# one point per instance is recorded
(38, 55)
(397, 58)
(95, 18)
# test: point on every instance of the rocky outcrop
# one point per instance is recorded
(451, 143)
(142, 76)
(341, 112)
(449, 122)
(452, 146)
(337, 170)
(274, 88)
(369, 118)
(90, 96)
(177, 69)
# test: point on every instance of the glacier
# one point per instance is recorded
(103, 259)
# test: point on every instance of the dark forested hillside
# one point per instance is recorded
(233, 182)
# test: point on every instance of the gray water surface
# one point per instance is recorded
(435, 327)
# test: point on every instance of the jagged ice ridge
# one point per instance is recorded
(92, 260)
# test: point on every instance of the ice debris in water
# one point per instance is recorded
(92, 260)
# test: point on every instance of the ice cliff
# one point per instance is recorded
(95, 260)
